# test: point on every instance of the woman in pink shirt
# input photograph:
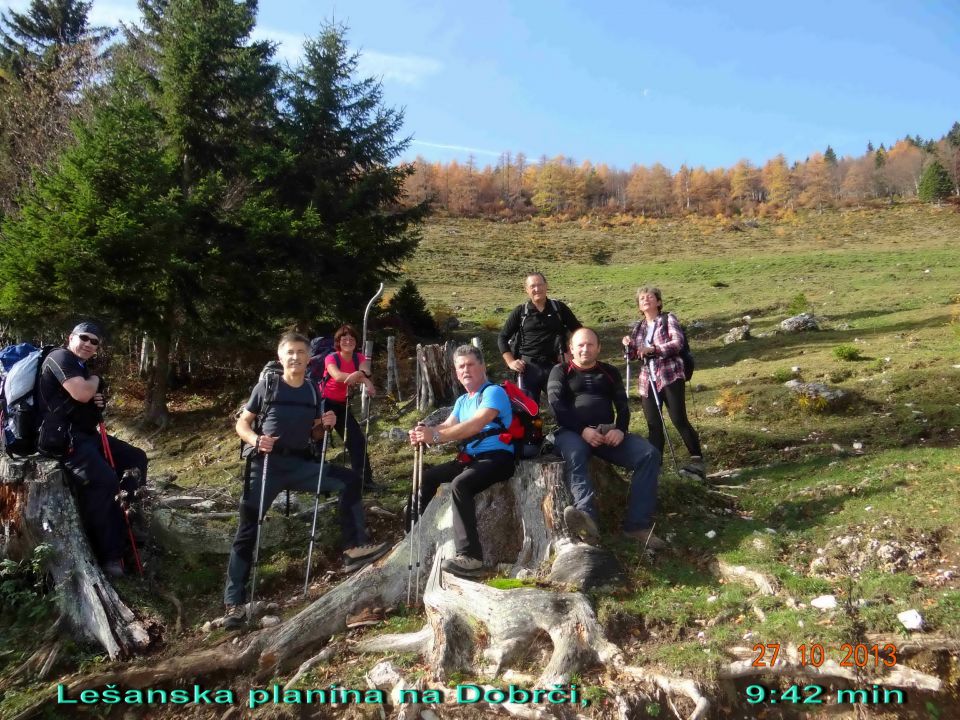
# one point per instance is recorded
(344, 369)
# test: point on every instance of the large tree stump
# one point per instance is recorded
(36, 507)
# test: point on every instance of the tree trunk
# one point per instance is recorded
(156, 403)
(39, 508)
(438, 383)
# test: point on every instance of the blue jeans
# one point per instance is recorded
(634, 453)
(288, 472)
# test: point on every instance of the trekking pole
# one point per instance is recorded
(316, 505)
(656, 399)
(366, 315)
(419, 535)
(626, 356)
(366, 445)
(108, 454)
(346, 414)
(411, 519)
(256, 546)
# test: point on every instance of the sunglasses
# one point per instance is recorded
(89, 339)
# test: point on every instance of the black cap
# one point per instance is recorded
(88, 327)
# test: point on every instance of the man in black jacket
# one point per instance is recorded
(70, 399)
(534, 336)
(590, 405)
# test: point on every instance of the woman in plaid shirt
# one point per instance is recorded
(657, 340)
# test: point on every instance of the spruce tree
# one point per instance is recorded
(935, 183)
(342, 186)
(39, 35)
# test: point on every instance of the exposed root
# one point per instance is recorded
(766, 584)
(322, 656)
(671, 687)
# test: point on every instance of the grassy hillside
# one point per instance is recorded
(862, 502)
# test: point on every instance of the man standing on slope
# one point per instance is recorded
(534, 336)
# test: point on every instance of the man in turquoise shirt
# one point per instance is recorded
(479, 418)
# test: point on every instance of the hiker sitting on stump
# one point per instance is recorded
(478, 419)
(70, 404)
(344, 369)
(533, 338)
(590, 405)
(283, 434)
(657, 341)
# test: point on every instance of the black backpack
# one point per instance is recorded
(270, 379)
(19, 401)
(689, 364)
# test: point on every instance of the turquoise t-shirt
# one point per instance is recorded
(489, 396)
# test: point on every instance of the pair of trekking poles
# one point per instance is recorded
(313, 529)
(415, 505)
(656, 399)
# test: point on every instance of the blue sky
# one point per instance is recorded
(643, 82)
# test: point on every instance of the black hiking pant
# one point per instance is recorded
(673, 396)
(97, 485)
(467, 480)
(356, 442)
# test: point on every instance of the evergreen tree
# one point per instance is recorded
(409, 305)
(155, 217)
(953, 137)
(350, 229)
(935, 183)
(830, 156)
(39, 35)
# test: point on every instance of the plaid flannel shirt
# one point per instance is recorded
(667, 342)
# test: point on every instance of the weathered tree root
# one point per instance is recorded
(46, 513)
(671, 686)
(765, 584)
(459, 611)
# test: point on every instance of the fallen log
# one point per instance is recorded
(36, 508)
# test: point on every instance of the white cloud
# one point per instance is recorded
(458, 148)
(289, 45)
(404, 69)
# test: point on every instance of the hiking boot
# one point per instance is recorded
(580, 524)
(113, 569)
(647, 539)
(463, 566)
(356, 557)
(696, 469)
(367, 616)
(369, 486)
(234, 617)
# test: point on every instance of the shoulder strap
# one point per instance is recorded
(489, 432)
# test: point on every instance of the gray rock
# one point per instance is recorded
(832, 396)
(438, 416)
(800, 323)
(737, 334)
(396, 435)
(713, 410)
(451, 323)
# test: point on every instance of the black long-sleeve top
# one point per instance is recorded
(582, 398)
(543, 335)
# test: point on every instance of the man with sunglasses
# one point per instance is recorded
(70, 404)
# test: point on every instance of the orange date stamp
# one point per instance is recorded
(853, 655)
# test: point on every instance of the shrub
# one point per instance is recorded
(799, 304)
(409, 304)
(782, 375)
(491, 324)
(847, 353)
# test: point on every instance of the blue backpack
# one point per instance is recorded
(20, 368)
